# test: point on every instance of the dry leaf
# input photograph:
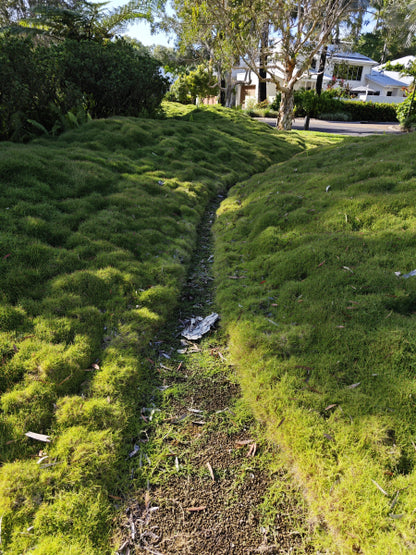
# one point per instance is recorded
(39, 437)
(243, 442)
(211, 472)
(252, 450)
(331, 406)
(195, 509)
(379, 487)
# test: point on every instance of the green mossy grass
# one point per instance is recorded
(323, 331)
(97, 229)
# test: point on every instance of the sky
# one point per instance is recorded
(140, 29)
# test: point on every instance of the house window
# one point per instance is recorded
(389, 93)
(350, 73)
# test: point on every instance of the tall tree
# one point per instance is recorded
(201, 24)
(300, 30)
(354, 21)
(84, 20)
(11, 11)
(394, 30)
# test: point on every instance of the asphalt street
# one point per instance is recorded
(357, 128)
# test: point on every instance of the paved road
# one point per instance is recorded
(354, 128)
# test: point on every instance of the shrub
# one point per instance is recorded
(48, 89)
(335, 116)
(197, 83)
(113, 78)
(308, 103)
(328, 106)
(369, 111)
(276, 102)
(405, 115)
(28, 87)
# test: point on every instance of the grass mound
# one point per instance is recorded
(323, 331)
(97, 228)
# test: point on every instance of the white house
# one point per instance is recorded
(392, 84)
(360, 73)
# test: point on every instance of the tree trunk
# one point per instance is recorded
(321, 70)
(229, 90)
(285, 118)
(222, 92)
(262, 89)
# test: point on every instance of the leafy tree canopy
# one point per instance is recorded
(84, 20)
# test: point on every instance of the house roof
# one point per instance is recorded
(313, 75)
(352, 57)
(383, 80)
(406, 60)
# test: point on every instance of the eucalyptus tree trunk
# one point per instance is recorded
(229, 90)
(285, 117)
(262, 89)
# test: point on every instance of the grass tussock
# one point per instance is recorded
(97, 229)
(323, 331)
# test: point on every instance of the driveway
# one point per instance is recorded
(355, 128)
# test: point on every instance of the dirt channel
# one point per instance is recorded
(208, 479)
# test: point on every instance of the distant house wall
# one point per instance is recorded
(210, 100)
(378, 98)
(352, 69)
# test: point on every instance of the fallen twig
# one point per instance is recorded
(211, 472)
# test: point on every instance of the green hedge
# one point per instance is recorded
(369, 111)
(307, 102)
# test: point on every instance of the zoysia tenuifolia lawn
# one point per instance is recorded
(323, 330)
(96, 230)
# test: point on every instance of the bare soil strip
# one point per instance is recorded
(207, 472)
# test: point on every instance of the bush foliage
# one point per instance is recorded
(406, 112)
(369, 111)
(308, 103)
(45, 89)
(199, 82)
